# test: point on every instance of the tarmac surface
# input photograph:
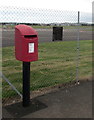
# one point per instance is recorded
(71, 102)
(45, 35)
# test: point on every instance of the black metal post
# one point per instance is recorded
(26, 84)
(78, 17)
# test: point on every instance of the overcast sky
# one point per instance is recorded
(74, 5)
(47, 11)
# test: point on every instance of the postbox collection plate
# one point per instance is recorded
(31, 47)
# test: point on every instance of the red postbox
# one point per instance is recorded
(26, 50)
(26, 43)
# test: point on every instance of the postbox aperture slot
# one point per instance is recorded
(30, 36)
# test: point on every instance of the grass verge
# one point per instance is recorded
(56, 65)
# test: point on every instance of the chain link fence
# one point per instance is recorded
(60, 62)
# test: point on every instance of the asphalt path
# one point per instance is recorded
(45, 35)
(71, 102)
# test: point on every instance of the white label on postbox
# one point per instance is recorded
(31, 47)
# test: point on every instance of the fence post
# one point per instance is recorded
(78, 48)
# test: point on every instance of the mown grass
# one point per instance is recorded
(56, 65)
(86, 28)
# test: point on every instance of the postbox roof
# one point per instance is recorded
(26, 30)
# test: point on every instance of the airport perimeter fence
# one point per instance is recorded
(60, 62)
